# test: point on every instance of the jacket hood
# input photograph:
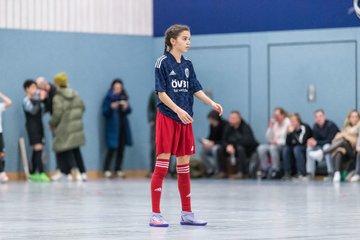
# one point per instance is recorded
(67, 93)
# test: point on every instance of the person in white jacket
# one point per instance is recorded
(269, 153)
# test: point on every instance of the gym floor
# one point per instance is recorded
(120, 209)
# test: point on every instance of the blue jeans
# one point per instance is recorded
(294, 155)
(311, 162)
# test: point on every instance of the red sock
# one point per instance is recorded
(161, 168)
(184, 186)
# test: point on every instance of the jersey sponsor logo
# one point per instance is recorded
(172, 73)
(180, 85)
(187, 73)
(158, 189)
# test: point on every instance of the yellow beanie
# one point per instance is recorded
(61, 79)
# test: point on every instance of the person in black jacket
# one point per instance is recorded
(238, 143)
(324, 132)
(295, 148)
(151, 114)
(212, 143)
(33, 109)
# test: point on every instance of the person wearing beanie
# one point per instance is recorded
(61, 79)
(67, 127)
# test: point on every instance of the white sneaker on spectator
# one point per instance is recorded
(3, 177)
(349, 176)
(57, 176)
(337, 177)
(304, 178)
(317, 154)
(120, 174)
(78, 176)
(107, 174)
(355, 178)
(84, 177)
(69, 178)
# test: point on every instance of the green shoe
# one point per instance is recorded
(35, 177)
(43, 177)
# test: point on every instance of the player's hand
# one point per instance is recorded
(184, 116)
(217, 107)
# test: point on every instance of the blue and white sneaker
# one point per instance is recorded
(188, 218)
(157, 220)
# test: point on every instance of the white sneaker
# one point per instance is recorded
(355, 178)
(349, 176)
(120, 174)
(78, 176)
(317, 154)
(337, 177)
(107, 174)
(69, 178)
(3, 177)
(57, 176)
(83, 177)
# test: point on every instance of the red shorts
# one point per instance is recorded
(173, 137)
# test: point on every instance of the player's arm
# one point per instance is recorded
(7, 101)
(183, 115)
(203, 97)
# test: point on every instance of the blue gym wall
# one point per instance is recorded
(92, 61)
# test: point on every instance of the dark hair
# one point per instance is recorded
(297, 116)
(120, 81)
(320, 110)
(214, 115)
(28, 83)
(281, 110)
(236, 112)
(173, 32)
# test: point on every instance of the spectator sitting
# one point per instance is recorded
(238, 143)
(343, 145)
(211, 144)
(276, 137)
(356, 176)
(295, 149)
(324, 132)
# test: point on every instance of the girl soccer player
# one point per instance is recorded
(176, 83)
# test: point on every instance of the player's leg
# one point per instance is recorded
(164, 137)
(184, 149)
(161, 169)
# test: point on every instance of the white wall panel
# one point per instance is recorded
(132, 17)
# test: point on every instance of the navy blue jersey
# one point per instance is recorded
(178, 81)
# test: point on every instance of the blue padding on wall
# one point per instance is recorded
(230, 16)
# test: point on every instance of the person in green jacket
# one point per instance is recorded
(67, 126)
